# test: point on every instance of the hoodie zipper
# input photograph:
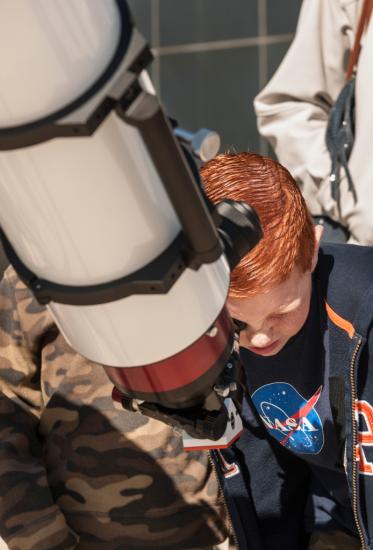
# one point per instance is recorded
(355, 442)
(235, 538)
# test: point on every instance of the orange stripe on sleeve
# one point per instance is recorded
(339, 321)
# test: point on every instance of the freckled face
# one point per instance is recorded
(273, 317)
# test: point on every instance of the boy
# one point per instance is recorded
(305, 316)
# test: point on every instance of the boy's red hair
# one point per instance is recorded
(288, 235)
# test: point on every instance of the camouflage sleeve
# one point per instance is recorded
(29, 518)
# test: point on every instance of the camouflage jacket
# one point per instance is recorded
(77, 471)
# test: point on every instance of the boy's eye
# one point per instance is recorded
(278, 315)
(239, 325)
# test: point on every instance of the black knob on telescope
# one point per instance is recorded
(239, 229)
(212, 425)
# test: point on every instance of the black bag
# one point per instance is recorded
(340, 132)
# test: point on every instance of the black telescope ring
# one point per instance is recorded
(157, 277)
(45, 128)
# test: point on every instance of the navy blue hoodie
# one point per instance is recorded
(268, 494)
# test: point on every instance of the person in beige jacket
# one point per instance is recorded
(294, 107)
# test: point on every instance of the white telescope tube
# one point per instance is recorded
(84, 211)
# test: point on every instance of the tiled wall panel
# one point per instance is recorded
(213, 56)
(213, 89)
(282, 16)
(183, 22)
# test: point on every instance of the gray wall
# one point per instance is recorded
(213, 56)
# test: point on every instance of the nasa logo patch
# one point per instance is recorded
(289, 417)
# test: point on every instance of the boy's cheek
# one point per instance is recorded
(243, 340)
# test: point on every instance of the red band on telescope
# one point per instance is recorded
(180, 369)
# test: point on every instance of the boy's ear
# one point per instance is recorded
(318, 230)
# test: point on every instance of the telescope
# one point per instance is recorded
(103, 216)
